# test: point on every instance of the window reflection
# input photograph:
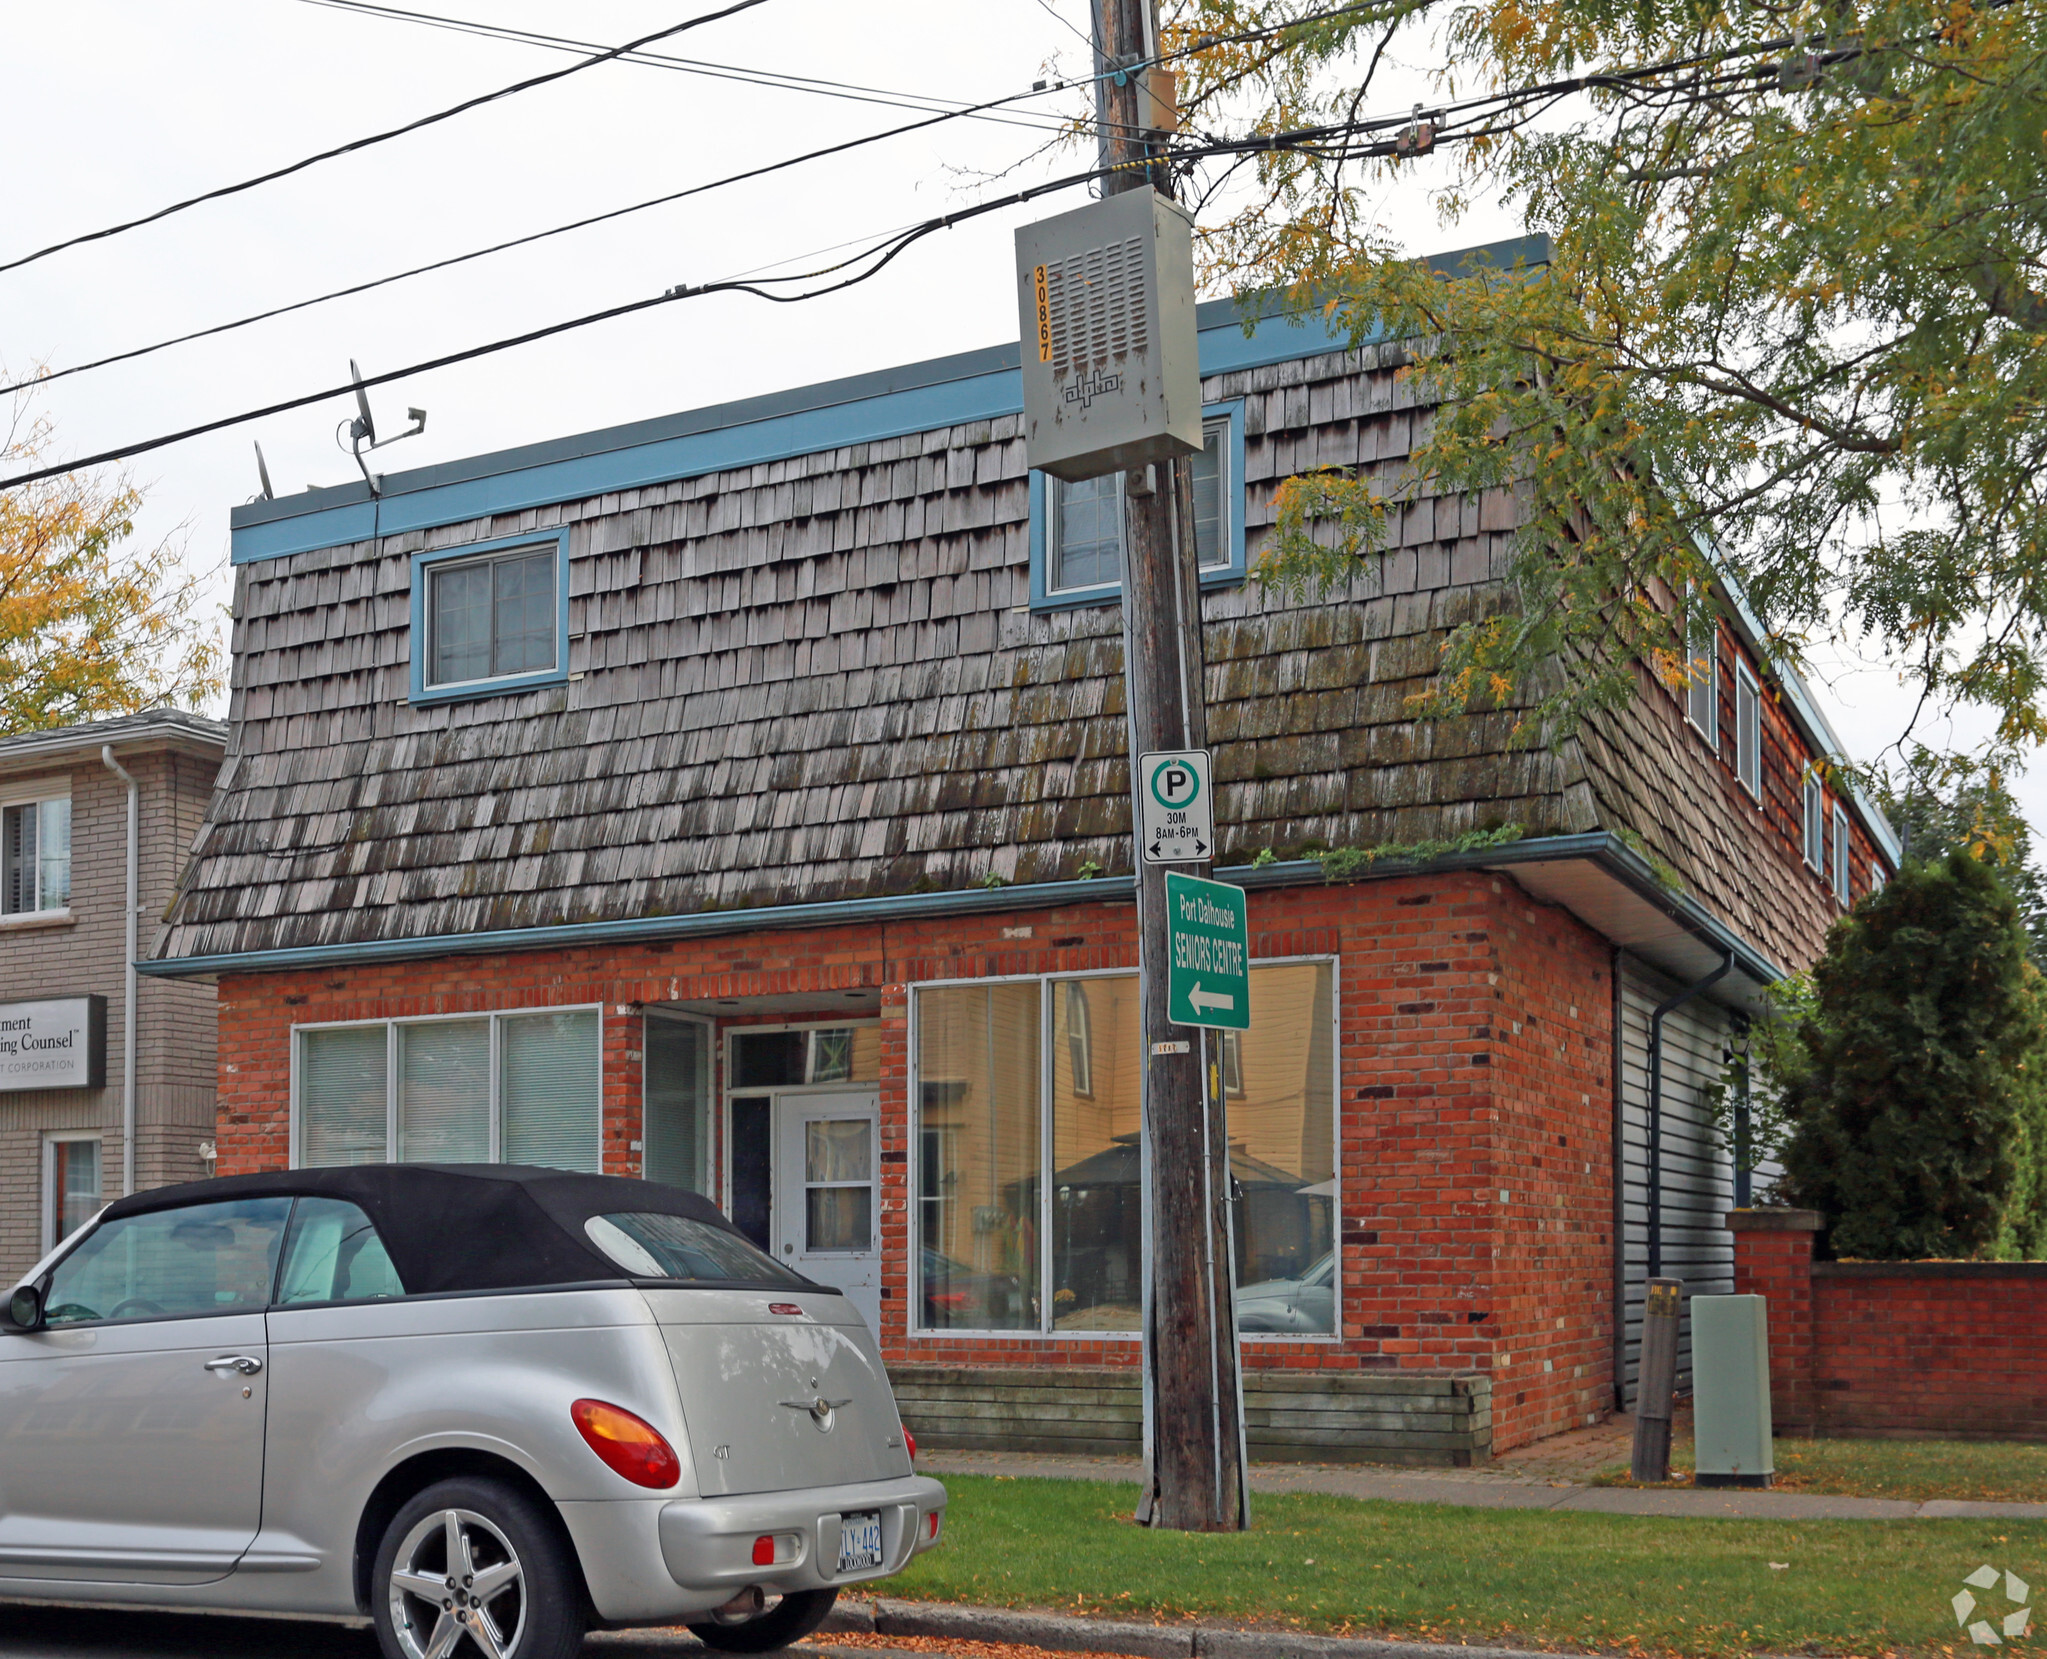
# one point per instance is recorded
(978, 1157)
(1097, 1219)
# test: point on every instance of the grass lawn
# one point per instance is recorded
(1515, 1577)
(1992, 1471)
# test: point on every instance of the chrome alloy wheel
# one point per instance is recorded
(456, 1575)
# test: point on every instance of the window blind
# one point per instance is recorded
(444, 1092)
(341, 1096)
(549, 1090)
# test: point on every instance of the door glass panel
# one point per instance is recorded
(202, 1258)
(979, 1151)
(335, 1256)
(444, 1092)
(753, 1167)
(341, 1096)
(838, 1149)
(839, 1218)
(1097, 1221)
(548, 1078)
(676, 1083)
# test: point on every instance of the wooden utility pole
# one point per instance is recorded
(1196, 1473)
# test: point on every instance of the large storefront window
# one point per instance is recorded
(513, 1088)
(988, 1126)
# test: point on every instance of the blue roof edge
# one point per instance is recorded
(891, 402)
(1602, 847)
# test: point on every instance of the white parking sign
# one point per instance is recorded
(1175, 807)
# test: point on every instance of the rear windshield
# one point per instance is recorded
(650, 1246)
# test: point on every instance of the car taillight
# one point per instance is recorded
(931, 1525)
(910, 1440)
(628, 1445)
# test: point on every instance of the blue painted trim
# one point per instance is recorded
(547, 475)
(1227, 574)
(422, 693)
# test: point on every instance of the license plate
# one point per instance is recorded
(859, 1541)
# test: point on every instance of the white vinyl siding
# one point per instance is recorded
(522, 1088)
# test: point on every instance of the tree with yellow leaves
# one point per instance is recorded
(1791, 329)
(88, 628)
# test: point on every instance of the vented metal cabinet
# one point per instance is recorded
(1111, 375)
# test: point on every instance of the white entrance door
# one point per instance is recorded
(827, 1221)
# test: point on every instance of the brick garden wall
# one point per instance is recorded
(1944, 1350)
(1474, 1076)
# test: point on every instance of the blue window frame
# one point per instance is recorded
(1077, 529)
(490, 617)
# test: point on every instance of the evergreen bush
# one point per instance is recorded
(1918, 1112)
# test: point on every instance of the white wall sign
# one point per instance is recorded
(53, 1045)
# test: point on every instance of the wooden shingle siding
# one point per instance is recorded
(820, 678)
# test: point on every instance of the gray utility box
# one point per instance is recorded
(1731, 1391)
(1111, 371)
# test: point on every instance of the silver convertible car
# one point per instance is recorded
(485, 1407)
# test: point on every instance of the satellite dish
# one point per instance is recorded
(263, 472)
(365, 427)
(362, 431)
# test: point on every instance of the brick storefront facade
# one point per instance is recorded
(1474, 1101)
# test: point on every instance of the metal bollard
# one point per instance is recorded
(1656, 1384)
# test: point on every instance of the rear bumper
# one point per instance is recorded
(659, 1561)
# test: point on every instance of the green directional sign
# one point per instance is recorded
(1209, 945)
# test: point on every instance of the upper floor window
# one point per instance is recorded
(1077, 529)
(489, 619)
(1748, 730)
(1815, 822)
(1841, 887)
(1702, 691)
(35, 856)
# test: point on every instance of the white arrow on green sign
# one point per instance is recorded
(1208, 940)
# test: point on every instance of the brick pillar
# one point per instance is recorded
(1773, 1259)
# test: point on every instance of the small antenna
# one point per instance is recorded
(263, 472)
(362, 431)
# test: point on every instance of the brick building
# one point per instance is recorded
(739, 799)
(67, 1099)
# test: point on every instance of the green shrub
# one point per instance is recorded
(1918, 1109)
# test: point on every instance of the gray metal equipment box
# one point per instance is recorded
(1111, 372)
(1731, 1391)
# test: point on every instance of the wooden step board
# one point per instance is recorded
(1439, 1418)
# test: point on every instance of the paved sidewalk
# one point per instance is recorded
(1552, 1474)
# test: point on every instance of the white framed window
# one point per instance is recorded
(1702, 688)
(1841, 852)
(1748, 730)
(522, 1087)
(1077, 529)
(71, 1184)
(1028, 1188)
(35, 851)
(1815, 822)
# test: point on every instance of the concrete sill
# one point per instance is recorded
(37, 919)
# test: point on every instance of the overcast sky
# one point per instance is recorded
(121, 106)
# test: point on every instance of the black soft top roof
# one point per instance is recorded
(457, 1227)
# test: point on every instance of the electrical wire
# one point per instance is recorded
(354, 145)
(850, 90)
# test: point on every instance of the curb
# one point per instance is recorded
(1065, 1633)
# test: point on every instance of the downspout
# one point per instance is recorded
(1656, 1019)
(128, 971)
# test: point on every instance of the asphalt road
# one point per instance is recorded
(71, 1633)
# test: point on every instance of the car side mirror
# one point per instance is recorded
(25, 1309)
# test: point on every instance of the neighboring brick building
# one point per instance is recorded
(63, 983)
(739, 799)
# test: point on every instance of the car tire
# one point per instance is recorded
(791, 1619)
(536, 1609)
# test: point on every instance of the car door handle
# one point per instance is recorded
(246, 1365)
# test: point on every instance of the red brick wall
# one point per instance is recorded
(1946, 1350)
(1474, 1060)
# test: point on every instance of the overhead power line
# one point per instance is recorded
(356, 144)
(781, 79)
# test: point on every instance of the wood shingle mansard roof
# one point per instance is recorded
(818, 677)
